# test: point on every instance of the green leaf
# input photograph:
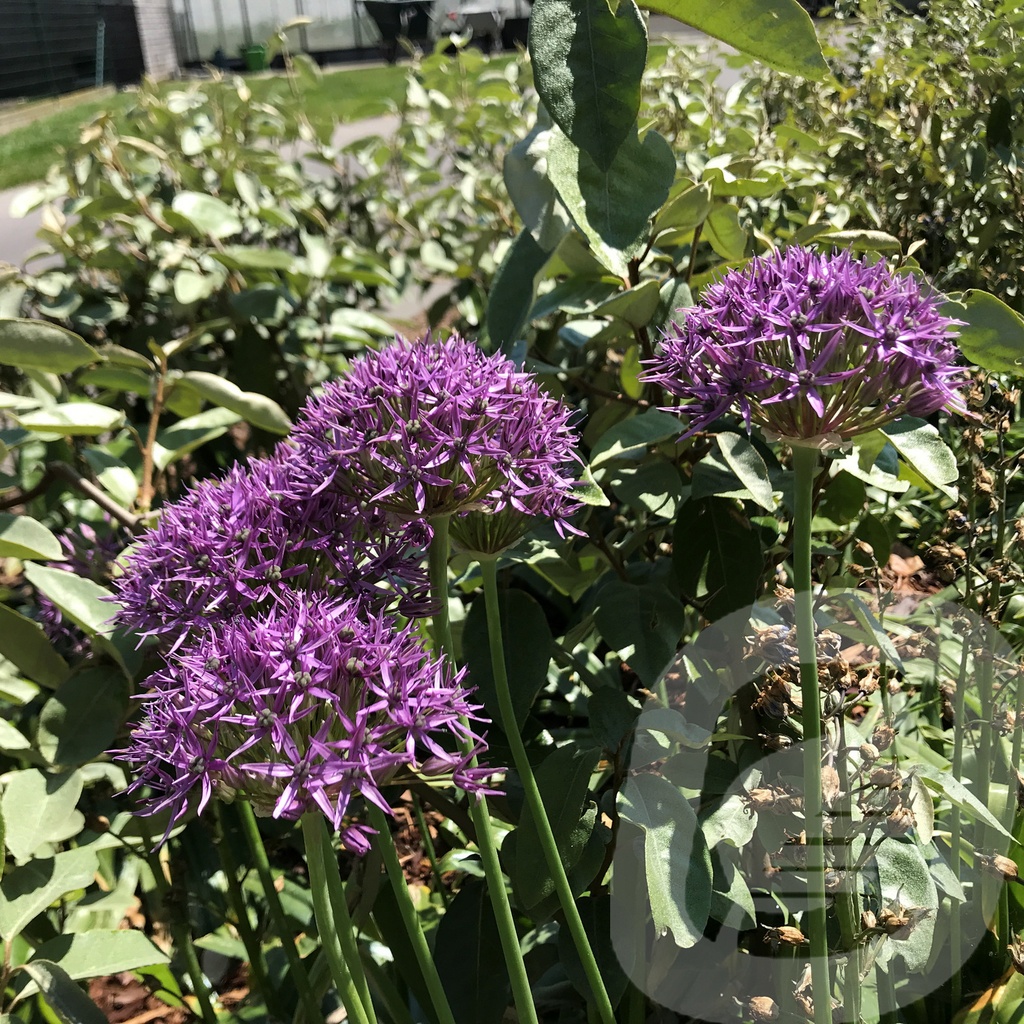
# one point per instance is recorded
(993, 335)
(191, 286)
(724, 232)
(642, 624)
(23, 642)
(207, 214)
(564, 781)
(777, 32)
(72, 419)
(678, 872)
(185, 436)
(588, 491)
(257, 409)
(905, 880)
(612, 206)
(530, 189)
(654, 486)
(684, 212)
(36, 345)
(732, 821)
(958, 794)
(860, 240)
(28, 890)
(587, 65)
(62, 995)
(96, 954)
(631, 438)
(22, 537)
(746, 462)
(81, 719)
(612, 713)
(40, 809)
(512, 291)
(118, 378)
(87, 604)
(717, 556)
(634, 305)
(469, 958)
(528, 646)
(250, 257)
(113, 475)
(921, 447)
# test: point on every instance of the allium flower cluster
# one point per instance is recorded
(270, 591)
(231, 546)
(302, 706)
(812, 348)
(426, 429)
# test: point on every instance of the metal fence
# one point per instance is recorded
(205, 27)
(49, 47)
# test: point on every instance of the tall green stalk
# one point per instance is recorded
(523, 996)
(179, 929)
(805, 465)
(534, 800)
(386, 845)
(257, 964)
(337, 933)
(251, 831)
(956, 824)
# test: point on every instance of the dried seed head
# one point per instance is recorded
(762, 1009)
(868, 921)
(776, 740)
(895, 686)
(883, 736)
(869, 682)
(1016, 951)
(869, 752)
(1000, 866)
(833, 881)
(886, 778)
(784, 935)
(829, 784)
(900, 822)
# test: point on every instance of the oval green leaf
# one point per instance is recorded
(22, 537)
(35, 345)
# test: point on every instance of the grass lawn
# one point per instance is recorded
(27, 152)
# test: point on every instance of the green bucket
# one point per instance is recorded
(255, 57)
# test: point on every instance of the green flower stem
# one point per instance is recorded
(805, 465)
(428, 845)
(386, 845)
(257, 963)
(534, 800)
(251, 831)
(179, 928)
(521, 992)
(956, 825)
(333, 921)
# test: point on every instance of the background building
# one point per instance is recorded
(49, 47)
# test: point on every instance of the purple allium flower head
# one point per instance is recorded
(303, 706)
(814, 349)
(432, 428)
(238, 543)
